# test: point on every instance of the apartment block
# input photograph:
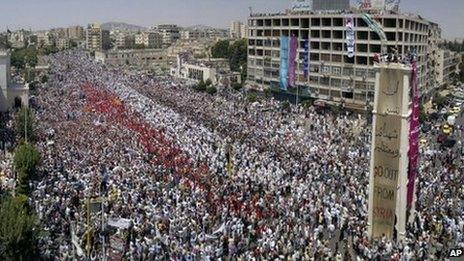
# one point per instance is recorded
(97, 38)
(448, 64)
(149, 39)
(125, 41)
(170, 33)
(333, 76)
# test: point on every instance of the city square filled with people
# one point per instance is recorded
(203, 177)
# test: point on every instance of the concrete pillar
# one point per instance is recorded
(389, 152)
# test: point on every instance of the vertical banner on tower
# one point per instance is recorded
(306, 59)
(413, 136)
(350, 36)
(386, 151)
(283, 62)
(292, 60)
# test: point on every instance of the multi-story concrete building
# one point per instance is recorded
(448, 65)
(433, 51)
(196, 34)
(63, 43)
(75, 32)
(149, 39)
(44, 38)
(244, 31)
(170, 33)
(333, 76)
(18, 39)
(238, 30)
(125, 41)
(193, 34)
(97, 38)
(216, 70)
(200, 48)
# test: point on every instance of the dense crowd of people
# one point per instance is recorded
(203, 177)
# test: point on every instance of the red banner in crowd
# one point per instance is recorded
(165, 152)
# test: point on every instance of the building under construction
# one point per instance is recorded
(333, 75)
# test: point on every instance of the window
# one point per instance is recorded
(315, 34)
(326, 22)
(315, 22)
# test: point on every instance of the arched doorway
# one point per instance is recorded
(17, 103)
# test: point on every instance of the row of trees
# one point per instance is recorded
(236, 53)
(19, 228)
(206, 87)
(29, 55)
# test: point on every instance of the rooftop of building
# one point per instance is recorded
(353, 11)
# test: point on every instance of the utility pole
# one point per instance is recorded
(103, 225)
(88, 247)
(25, 124)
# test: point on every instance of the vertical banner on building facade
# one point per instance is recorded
(292, 60)
(386, 151)
(413, 136)
(283, 62)
(349, 36)
(306, 59)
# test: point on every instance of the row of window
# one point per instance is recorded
(338, 22)
(339, 34)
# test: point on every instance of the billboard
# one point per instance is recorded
(378, 4)
(386, 157)
(302, 5)
(371, 4)
(332, 5)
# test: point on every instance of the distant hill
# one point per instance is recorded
(122, 26)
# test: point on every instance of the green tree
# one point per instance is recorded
(220, 49)
(24, 56)
(211, 90)
(208, 82)
(18, 230)
(201, 86)
(26, 160)
(24, 124)
(252, 97)
(238, 55)
(285, 105)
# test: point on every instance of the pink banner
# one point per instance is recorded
(292, 60)
(413, 136)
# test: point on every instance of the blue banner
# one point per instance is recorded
(284, 62)
(306, 59)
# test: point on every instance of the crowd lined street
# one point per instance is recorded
(206, 176)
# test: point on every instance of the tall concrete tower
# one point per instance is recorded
(4, 78)
(389, 152)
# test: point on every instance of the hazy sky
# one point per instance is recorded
(43, 14)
